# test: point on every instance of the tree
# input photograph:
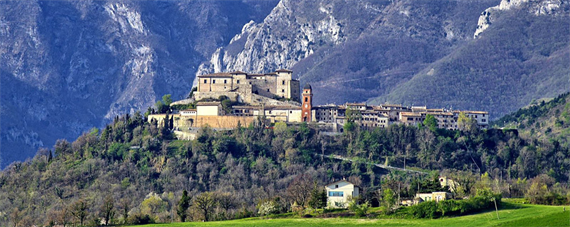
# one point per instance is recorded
(125, 209)
(153, 205)
(226, 201)
(183, 205)
(299, 190)
(430, 122)
(317, 200)
(108, 209)
(205, 203)
(388, 200)
(79, 210)
(465, 123)
(62, 147)
(163, 106)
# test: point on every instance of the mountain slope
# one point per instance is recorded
(487, 55)
(350, 51)
(73, 65)
(521, 57)
(545, 120)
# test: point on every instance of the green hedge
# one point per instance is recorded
(432, 209)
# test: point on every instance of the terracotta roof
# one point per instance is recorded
(246, 107)
(410, 114)
(392, 105)
(471, 111)
(217, 75)
(439, 113)
(282, 107)
(326, 107)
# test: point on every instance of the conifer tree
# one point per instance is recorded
(183, 205)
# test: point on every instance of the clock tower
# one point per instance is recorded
(307, 103)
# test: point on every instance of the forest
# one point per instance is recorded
(135, 171)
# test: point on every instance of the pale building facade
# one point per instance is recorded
(339, 193)
(433, 196)
(209, 109)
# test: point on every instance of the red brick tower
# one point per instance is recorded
(307, 103)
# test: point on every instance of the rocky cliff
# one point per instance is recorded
(67, 66)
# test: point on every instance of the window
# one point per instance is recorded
(483, 120)
(268, 90)
(336, 194)
(205, 81)
(213, 81)
(306, 99)
(225, 81)
(283, 82)
(282, 90)
(237, 81)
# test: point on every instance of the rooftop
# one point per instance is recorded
(216, 75)
(208, 104)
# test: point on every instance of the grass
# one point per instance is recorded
(511, 215)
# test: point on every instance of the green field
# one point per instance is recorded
(515, 215)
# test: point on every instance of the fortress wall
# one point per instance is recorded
(224, 121)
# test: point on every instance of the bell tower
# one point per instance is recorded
(307, 103)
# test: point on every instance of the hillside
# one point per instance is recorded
(544, 120)
(519, 58)
(138, 166)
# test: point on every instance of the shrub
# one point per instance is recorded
(431, 209)
(140, 219)
(359, 210)
(267, 207)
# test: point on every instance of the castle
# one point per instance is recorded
(249, 88)
(277, 97)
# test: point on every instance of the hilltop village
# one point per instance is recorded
(226, 100)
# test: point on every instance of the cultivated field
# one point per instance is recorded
(513, 215)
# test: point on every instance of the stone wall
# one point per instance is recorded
(221, 122)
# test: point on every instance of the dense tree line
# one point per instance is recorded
(134, 171)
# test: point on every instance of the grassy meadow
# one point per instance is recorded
(511, 215)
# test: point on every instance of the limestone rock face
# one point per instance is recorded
(536, 7)
(68, 66)
(293, 31)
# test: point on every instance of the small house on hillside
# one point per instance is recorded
(339, 193)
(433, 196)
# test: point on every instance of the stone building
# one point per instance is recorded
(244, 87)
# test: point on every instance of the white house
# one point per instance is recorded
(209, 109)
(340, 192)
